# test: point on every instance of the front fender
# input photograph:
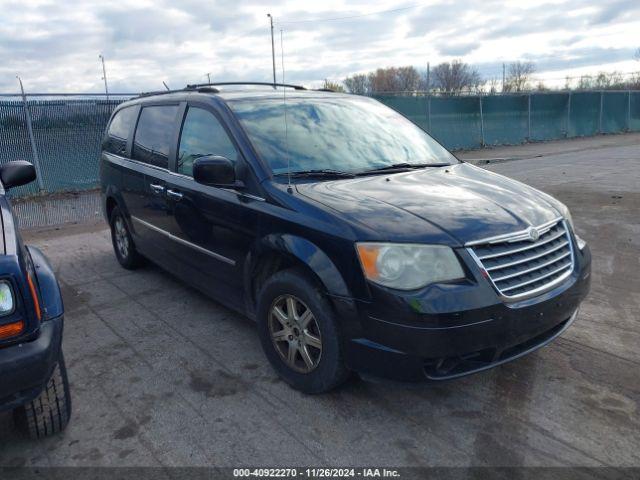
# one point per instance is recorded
(312, 256)
(317, 261)
(51, 297)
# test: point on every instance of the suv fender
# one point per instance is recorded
(51, 298)
(311, 256)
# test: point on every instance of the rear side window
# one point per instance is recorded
(153, 136)
(119, 129)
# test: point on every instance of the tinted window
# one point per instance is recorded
(202, 134)
(334, 132)
(153, 135)
(118, 133)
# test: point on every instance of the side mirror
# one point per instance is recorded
(215, 171)
(16, 173)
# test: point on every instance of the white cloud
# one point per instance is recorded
(54, 46)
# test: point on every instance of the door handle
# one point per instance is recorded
(157, 188)
(173, 194)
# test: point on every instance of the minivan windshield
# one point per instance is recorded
(335, 133)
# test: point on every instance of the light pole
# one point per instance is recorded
(34, 149)
(104, 76)
(273, 50)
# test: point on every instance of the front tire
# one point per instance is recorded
(300, 334)
(123, 245)
(50, 411)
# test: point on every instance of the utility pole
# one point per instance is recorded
(34, 149)
(273, 50)
(428, 79)
(503, 71)
(428, 97)
(104, 76)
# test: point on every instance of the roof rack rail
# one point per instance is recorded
(268, 84)
(158, 92)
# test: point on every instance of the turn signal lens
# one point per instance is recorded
(369, 259)
(11, 329)
(34, 296)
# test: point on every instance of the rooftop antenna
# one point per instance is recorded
(166, 86)
(286, 130)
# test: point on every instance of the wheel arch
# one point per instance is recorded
(111, 199)
(276, 252)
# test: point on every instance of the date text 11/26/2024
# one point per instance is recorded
(316, 472)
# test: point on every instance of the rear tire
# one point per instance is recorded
(50, 411)
(123, 245)
(305, 347)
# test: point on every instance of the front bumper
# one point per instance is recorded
(26, 367)
(425, 337)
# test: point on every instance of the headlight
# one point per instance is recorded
(6, 298)
(408, 266)
(567, 216)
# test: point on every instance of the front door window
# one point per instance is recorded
(202, 134)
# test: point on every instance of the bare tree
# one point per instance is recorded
(585, 82)
(541, 87)
(359, 84)
(394, 79)
(334, 86)
(604, 81)
(407, 79)
(455, 77)
(383, 80)
(493, 84)
(519, 76)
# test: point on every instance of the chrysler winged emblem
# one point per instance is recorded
(533, 234)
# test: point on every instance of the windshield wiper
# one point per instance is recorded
(324, 172)
(403, 166)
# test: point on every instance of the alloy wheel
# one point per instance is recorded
(122, 239)
(295, 333)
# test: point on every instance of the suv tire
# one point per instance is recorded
(305, 348)
(50, 411)
(123, 246)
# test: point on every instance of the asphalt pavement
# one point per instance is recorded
(163, 376)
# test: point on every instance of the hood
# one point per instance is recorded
(455, 204)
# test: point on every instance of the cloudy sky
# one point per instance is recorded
(54, 45)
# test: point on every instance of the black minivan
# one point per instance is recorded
(355, 240)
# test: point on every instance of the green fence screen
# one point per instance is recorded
(67, 132)
(474, 121)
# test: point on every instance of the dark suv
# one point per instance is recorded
(33, 377)
(355, 240)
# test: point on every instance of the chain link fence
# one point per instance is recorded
(65, 134)
(61, 137)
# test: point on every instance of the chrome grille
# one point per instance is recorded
(520, 267)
